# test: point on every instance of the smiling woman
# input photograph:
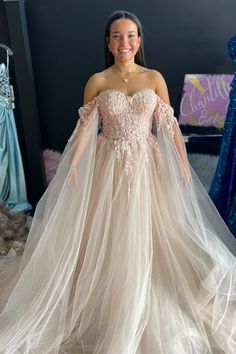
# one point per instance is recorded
(136, 259)
(126, 28)
(124, 40)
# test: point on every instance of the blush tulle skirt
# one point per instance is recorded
(121, 265)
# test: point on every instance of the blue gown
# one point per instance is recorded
(12, 180)
(223, 188)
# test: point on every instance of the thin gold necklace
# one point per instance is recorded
(124, 77)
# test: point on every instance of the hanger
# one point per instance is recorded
(6, 48)
(9, 52)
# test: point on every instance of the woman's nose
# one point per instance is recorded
(124, 40)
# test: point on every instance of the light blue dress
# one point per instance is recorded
(12, 179)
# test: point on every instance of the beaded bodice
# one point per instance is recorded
(127, 118)
(127, 122)
(6, 90)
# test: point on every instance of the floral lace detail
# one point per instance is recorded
(127, 124)
(128, 148)
(87, 109)
(164, 114)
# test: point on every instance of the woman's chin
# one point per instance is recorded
(123, 58)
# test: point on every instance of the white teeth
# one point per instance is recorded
(124, 50)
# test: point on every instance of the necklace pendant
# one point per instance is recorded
(125, 81)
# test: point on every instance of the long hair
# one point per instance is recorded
(139, 56)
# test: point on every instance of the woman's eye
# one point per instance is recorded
(117, 36)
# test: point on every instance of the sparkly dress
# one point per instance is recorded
(125, 254)
(223, 188)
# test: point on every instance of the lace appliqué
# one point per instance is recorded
(129, 148)
(164, 114)
(127, 124)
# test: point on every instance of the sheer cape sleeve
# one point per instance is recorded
(43, 276)
(191, 195)
(196, 216)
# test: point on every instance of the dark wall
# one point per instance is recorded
(3, 28)
(66, 43)
(67, 47)
(66, 39)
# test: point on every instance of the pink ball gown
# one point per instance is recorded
(132, 259)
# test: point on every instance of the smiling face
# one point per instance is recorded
(124, 40)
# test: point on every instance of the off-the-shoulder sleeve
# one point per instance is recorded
(86, 113)
(164, 115)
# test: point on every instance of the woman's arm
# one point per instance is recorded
(91, 89)
(82, 132)
(162, 91)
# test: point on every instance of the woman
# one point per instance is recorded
(127, 253)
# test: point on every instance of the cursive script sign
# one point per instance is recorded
(205, 100)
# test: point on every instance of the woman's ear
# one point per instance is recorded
(108, 44)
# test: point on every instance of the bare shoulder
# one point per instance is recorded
(156, 75)
(160, 85)
(92, 86)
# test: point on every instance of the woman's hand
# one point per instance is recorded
(72, 178)
(185, 174)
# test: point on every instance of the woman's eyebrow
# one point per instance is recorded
(128, 31)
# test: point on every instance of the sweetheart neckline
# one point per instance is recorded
(126, 95)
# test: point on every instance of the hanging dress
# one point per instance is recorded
(12, 179)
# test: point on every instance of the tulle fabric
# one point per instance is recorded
(112, 271)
